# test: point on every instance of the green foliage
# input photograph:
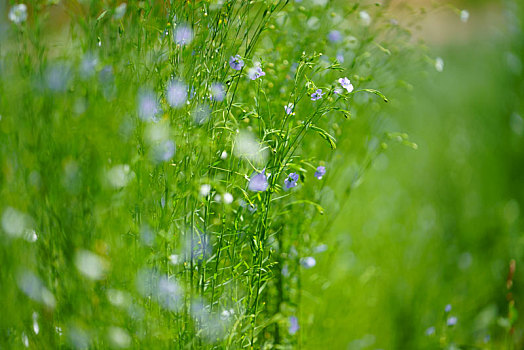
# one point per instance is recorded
(159, 191)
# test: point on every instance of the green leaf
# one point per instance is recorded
(376, 92)
(325, 135)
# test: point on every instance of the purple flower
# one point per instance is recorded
(334, 36)
(293, 325)
(447, 308)
(321, 171)
(236, 62)
(258, 182)
(291, 180)
(255, 73)
(452, 321)
(317, 95)
(346, 84)
(289, 109)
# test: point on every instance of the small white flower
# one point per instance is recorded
(228, 198)
(464, 16)
(36, 327)
(25, 340)
(226, 314)
(223, 155)
(365, 18)
(204, 190)
(346, 84)
(174, 259)
(439, 64)
(90, 264)
(119, 337)
(120, 11)
(18, 13)
(308, 262)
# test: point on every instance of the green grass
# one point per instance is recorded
(129, 217)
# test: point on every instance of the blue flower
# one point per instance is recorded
(317, 95)
(340, 56)
(258, 182)
(291, 180)
(346, 84)
(293, 325)
(289, 109)
(147, 105)
(176, 94)
(217, 92)
(164, 151)
(183, 35)
(334, 36)
(430, 331)
(255, 73)
(452, 321)
(236, 62)
(448, 308)
(321, 171)
(308, 262)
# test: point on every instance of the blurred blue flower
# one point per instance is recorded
(447, 308)
(317, 95)
(346, 84)
(308, 262)
(293, 325)
(321, 171)
(430, 331)
(340, 56)
(289, 109)
(183, 35)
(164, 151)
(334, 36)
(291, 180)
(258, 182)
(217, 92)
(452, 321)
(88, 65)
(176, 93)
(236, 62)
(147, 105)
(255, 73)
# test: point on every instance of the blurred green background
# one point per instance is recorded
(438, 225)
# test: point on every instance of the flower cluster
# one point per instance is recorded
(259, 182)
